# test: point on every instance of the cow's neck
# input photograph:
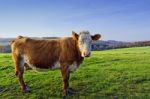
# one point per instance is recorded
(80, 58)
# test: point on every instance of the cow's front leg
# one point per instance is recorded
(65, 77)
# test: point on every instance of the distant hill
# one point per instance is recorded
(5, 41)
(112, 44)
(98, 45)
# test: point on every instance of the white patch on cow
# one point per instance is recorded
(26, 59)
(73, 67)
(56, 66)
(85, 42)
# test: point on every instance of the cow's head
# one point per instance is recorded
(84, 40)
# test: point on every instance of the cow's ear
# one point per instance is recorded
(96, 37)
(75, 35)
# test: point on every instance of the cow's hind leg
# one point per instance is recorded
(19, 69)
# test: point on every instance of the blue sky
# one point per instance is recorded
(125, 20)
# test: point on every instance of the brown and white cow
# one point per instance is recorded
(65, 54)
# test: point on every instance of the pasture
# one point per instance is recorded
(118, 73)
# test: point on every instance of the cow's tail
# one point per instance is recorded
(19, 37)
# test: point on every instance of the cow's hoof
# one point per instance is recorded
(26, 90)
(70, 91)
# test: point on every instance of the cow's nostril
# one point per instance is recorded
(86, 54)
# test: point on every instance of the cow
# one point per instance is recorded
(65, 54)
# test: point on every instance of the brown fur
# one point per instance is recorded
(44, 53)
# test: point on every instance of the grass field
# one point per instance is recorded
(112, 74)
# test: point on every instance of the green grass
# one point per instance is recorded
(119, 73)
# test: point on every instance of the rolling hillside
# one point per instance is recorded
(119, 73)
